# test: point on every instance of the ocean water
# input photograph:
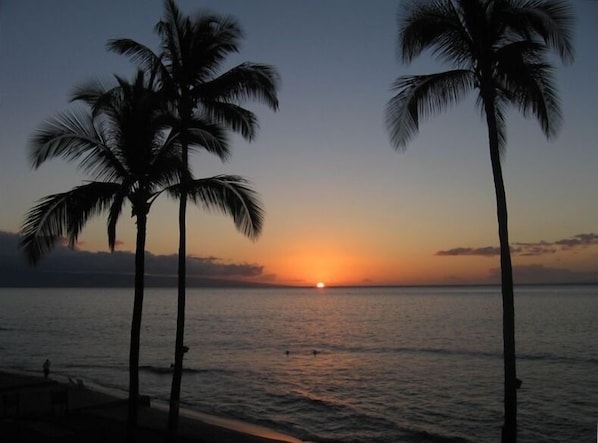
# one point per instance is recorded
(390, 364)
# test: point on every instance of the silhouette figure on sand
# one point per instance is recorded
(46, 369)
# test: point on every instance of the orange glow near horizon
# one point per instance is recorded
(314, 265)
(320, 285)
(337, 266)
(305, 263)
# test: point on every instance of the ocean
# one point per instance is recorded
(346, 365)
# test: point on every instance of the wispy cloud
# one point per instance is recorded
(580, 240)
(200, 266)
(534, 249)
(488, 251)
(576, 242)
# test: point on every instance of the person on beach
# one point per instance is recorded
(46, 369)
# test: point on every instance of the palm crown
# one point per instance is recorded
(122, 143)
(189, 71)
(499, 47)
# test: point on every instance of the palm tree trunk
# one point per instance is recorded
(177, 374)
(509, 430)
(136, 327)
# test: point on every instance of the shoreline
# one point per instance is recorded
(35, 409)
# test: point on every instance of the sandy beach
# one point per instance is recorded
(34, 409)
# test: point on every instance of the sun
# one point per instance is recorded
(320, 285)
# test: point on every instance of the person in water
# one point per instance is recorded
(46, 369)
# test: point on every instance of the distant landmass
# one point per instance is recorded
(34, 279)
(68, 268)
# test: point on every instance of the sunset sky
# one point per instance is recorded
(341, 205)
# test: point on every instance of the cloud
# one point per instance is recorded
(268, 277)
(82, 267)
(580, 240)
(488, 251)
(200, 266)
(536, 249)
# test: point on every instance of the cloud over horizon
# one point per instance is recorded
(540, 248)
(76, 262)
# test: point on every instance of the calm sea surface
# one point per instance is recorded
(391, 364)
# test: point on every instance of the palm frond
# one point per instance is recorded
(420, 96)
(194, 49)
(170, 139)
(172, 30)
(137, 52)
(434, 25)
(166, 169)
(62, 215)
(550, 20)
(534, 92)
(90, 92)
(74, 136)
(230, 195)
(209, 136)
(526, 81)
(113, 216)
(234, 117)
(213, 38)
(243, 82)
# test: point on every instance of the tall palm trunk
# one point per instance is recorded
(509, 430)
(136, 327)
(177, 374)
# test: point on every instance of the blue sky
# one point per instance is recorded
(341, 205)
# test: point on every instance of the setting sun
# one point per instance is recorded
(320, 285)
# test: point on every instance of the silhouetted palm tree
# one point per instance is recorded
(124, 144)
(121, 142)
(500, 49)
(190, 71)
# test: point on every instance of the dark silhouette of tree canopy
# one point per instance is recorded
(124, 142)
(189, 68)
(500, 49)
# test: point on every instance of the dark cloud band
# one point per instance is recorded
(65, 266)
